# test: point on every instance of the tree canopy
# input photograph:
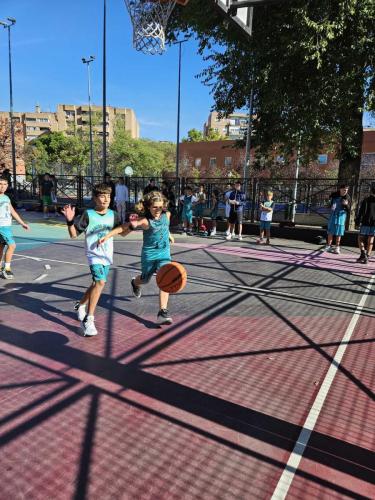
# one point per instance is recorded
(311, 65)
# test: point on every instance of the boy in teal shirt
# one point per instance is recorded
(95, 223)
(6, 236)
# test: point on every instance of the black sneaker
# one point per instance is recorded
(164, 317)
(136, 289)
(362, 259)
(7, 274)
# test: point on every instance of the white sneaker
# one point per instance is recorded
(233, 235)
(213, 232)
(227, 232)
(240, 237)
(228, 236)
(88, 327)
(337, 250)
(81, 311)
(327, 248)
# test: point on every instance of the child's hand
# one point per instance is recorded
(69, 212)
(171, 239)
(26, 227)
(101, 241)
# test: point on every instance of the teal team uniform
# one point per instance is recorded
(187, 210)
(96, 226)
(6, 236)
(156, 250)
(337, 220)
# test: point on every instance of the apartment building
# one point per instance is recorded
(70, 119)
(232, 127)
(73, 118)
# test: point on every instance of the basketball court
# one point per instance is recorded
(262, 387)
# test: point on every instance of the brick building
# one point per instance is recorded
(220, 158)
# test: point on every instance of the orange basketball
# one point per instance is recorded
(171, 278)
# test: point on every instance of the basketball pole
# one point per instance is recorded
(179, 43)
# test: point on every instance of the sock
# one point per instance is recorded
(7, 266)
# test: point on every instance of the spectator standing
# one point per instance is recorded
(340, 204)
(46, 189)
(237, 203)
(229, 188)
(151, 186)
(109, 182)
(121, 198)
(366, 220)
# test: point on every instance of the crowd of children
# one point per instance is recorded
(101, 223)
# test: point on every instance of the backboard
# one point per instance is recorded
(241, 11)
(241, 14)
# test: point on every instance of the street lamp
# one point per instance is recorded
(179, 43)
(87, 62)
(8, 25)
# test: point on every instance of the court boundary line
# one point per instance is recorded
(220, 284)
(292, 465)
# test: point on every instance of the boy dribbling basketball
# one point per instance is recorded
(156, 252)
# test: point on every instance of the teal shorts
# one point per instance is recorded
(198, 211)
(187, 216)
(151, 267)
(99, 272)
(6, 236)
(265, 224)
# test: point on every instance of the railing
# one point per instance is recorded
(308, 207)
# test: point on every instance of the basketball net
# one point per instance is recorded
(149, 19)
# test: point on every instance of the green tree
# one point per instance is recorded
(147, 157)
(194, 135)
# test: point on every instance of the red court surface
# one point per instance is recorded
(269, 362)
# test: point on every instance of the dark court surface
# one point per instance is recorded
(210, 407)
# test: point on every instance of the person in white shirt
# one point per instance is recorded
(121, 198)
(266, 211)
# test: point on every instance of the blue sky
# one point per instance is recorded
(51, 37)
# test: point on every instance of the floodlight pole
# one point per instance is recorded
(87, 62)
(104, 158)
(179, 43)
(8, 25)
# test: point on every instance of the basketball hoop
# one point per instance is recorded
(149, 19)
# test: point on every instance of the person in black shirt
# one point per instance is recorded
(109, 182)
(366, 220)
(151, 186)
(46, 189)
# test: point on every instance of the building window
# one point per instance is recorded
(322, 159)
(228, 161)
(198, 162)
(212, 162)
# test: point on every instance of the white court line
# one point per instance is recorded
(50, 260)
(295, 458)
(41, 277)
(217, 284)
